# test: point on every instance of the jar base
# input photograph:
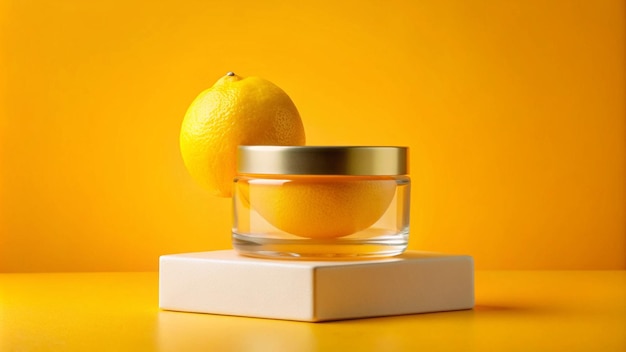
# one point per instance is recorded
(336, 249)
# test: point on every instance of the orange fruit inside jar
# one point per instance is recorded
(321, 201)
(319, 207)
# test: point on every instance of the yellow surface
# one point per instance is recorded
(513, 110)
(516, 311)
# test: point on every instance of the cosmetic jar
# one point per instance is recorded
(313, 202)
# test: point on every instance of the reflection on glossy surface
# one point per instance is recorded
(182, 331)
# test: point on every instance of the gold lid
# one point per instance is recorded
(288, 160)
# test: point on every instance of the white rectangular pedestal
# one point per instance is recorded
(223, 282)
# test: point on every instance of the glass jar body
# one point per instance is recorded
(320, 216)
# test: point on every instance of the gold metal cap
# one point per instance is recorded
(288, 160)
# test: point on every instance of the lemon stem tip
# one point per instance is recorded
(231, 73)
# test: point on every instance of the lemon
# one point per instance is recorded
(319, 207)
(235, 111)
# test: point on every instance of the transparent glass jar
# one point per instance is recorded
(321, 202)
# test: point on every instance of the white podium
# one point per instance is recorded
(223, 282)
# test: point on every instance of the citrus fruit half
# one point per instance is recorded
(319, 207)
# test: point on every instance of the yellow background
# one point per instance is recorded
(514, 112)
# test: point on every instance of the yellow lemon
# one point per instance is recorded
(319, 207)
(235, 111)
